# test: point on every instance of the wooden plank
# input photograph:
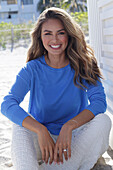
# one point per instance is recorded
(111, 112)
(108, 83)
(108, 31)
(106, 15)
(108, 76)
(110, 103)
(105, 67)
(108, 88)
(102, 3)
(107, 47)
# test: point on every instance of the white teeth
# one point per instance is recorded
(55, 46)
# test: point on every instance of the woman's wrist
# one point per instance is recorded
(41, 129)
(73, 124)
(33, 125)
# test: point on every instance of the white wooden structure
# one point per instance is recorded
(100, 14)
(18, 11)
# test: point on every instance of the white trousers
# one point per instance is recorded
(89, 142)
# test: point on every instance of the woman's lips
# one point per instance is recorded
(55, 46)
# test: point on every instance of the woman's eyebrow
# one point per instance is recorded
(61, 30)
(47, 31)
(57, 31)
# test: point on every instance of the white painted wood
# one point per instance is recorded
(102, 3)
(108, 47)
(111, 133)
(110, 102)
(109, 90)
(108, 31)
(108, 40)
(94, 23)
(106, 15)
(100, 13)
(106, 68)
(108, 55)
(107, 23)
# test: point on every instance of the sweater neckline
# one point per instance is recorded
(52, 68)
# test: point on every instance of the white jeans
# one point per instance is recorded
(89, 142)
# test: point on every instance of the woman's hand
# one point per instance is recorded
(63, 142)
(46, 144)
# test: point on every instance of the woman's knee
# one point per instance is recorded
(104, 121)
(23, 151)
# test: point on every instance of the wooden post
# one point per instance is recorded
(12, 39)
(95, 31)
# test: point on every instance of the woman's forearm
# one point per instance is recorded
(82, 118)
(32, 124)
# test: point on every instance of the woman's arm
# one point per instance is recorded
(32, 125)
(97, 104)
(10, 107)
(79, 120)
(46, 142)
(65, 136)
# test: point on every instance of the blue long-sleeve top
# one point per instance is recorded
(54, 99)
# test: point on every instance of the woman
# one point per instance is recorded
(64, 123)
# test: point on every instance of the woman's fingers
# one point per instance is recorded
(43, 154)
(60, 154)
(46, 155)
(63, 147)
(56, 154)
(69, 151)
(47, 145)
(65, 154)
(65, 151)
(51, 156)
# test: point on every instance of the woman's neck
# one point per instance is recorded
(56, 61)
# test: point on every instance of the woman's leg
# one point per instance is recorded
(96, 139)
(89, 142)
(24, 154)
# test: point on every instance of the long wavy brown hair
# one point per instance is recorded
(80, 54)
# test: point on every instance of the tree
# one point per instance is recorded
(43, 4)
(68, 5)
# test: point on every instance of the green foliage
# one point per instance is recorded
(10, 33)
(82, 19)
(70, 5)
(48, 3)
(4, 25)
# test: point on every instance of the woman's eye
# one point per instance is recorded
(47, 34)
(62, 33)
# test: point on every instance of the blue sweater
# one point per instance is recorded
(54, 99)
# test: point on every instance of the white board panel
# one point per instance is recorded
(102, 3)
(108, 31)
(107, 14)
(107, 61)
(108, 89)
(107, 47)
(110, 103)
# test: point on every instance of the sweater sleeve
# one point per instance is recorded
(97, 98)
(10, 105)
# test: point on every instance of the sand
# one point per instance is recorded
(10, 64)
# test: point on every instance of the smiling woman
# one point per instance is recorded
(55, 40)
(66, 102)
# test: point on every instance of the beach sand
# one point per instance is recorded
(10, 64)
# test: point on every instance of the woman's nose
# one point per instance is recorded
(55, 37)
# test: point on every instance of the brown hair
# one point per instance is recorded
(80, 54)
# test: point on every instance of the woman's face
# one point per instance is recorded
(54, 37)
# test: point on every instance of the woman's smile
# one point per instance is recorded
(54, 37)
(55, 46)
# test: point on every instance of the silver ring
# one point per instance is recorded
(65, 150)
